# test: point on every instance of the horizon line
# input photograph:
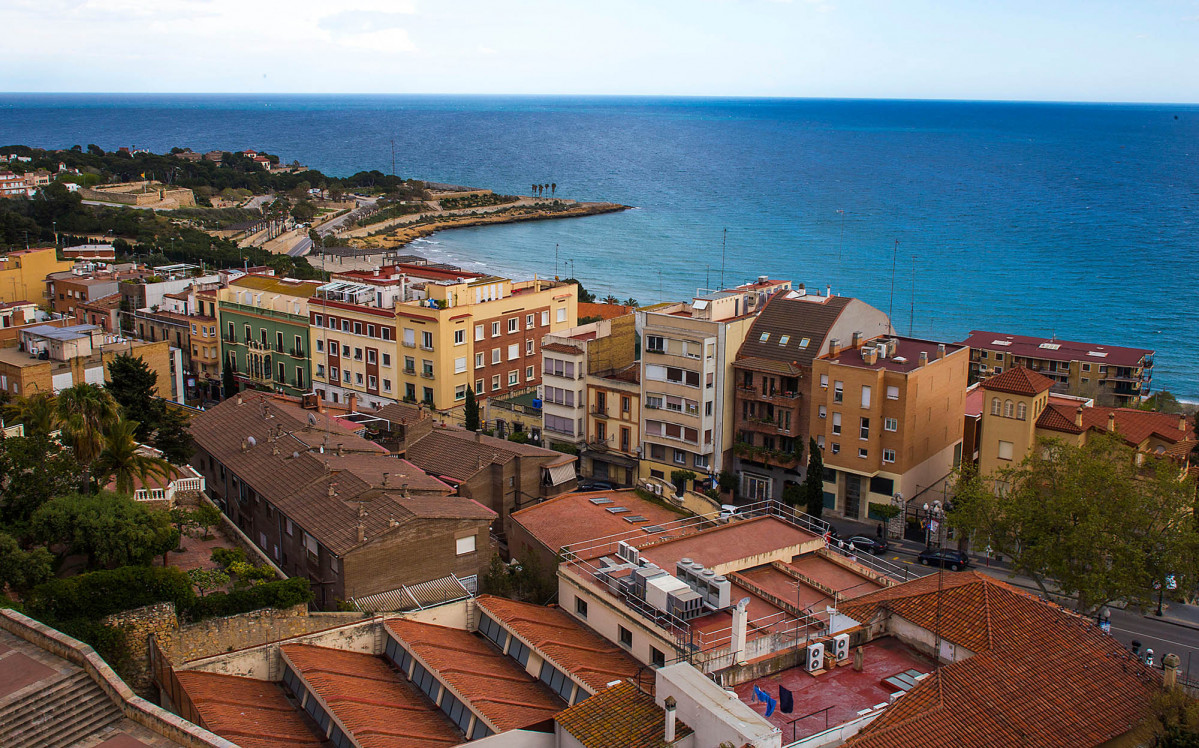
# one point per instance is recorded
(698, 97)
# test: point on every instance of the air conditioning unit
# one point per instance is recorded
(721, 593)
(841, 647)
(657, 489)
(659, 588)
(627, 553)
(685, 604)
(815, 657)
(641, 579)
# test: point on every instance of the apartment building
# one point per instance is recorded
(14, 185)
(889, 414)
(1109, 375)
(187, 320)
(23, 273)
(150, 292)
(86, 282)
(613, 448)
(17, 313)
(687, 377)
(104, 312)
(413, 333)
(264, 329)
(774, 383)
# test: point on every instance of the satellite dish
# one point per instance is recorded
(311, 419)
(251, 440)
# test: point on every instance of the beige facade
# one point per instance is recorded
(889, 416)
(23, 273)
(613, 426)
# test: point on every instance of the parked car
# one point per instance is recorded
(953, 560)
(590, 484)
(865, 543)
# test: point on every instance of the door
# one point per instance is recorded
(853, 495)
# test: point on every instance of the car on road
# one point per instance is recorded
(946, 559)
(590, 484)
(865, 543)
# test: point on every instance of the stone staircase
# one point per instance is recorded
(62, 714)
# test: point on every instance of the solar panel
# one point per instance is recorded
(652, 529)
(600, 500)
(616, 509)
(636, 518)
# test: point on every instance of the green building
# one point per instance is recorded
(264, 332)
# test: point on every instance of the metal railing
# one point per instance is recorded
(864, 558)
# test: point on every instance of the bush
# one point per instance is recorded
(96, 594)
(225, 557)
(279, 594)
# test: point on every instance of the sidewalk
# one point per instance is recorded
(1179, 614)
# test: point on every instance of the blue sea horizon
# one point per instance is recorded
(1069, 219)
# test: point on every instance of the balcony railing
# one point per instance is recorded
(427, 374)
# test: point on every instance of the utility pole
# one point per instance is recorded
(723, 253)
(555, 262)
(891, 304)
(393, 157)
(912, 320)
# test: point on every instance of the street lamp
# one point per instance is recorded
(932, 517)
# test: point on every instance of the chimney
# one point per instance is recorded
(332, 489)
(1182, 423)
(740, 619)
(352, 402)
(859, 659)
(828, 291)
(478, 437)
(1170, 665)
(1078, 417)
(361, 531)
(892, 344)
(1111, 421)
(668, 735)
(869, 355)
(386, 476)
(802, 291)
(940, 351)
(857, 339)
(239, 400)
(245, 445)
(340, 451)
(834, 347)
(923, 358)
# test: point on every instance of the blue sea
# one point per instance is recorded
(1075, 220)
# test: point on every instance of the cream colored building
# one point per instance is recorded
(23, 273)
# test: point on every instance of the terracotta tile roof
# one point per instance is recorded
(572, 647)
(604, 311)
(377, 705)
(1138, 425)
(758, 363)
(401, 413)
(619, 717)
(562, 348)
(493, 684)
(292, 474)
(458, 454)
(797, 318)
(1039, 675)
(251, 713)
(1018, 381)
(1059, 417)
(1026, 346)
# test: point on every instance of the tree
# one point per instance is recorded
(173, 437)
(630, 302)
(33, 470)
(122, 461)
(228, 382)
(471, 410)
(1174, 719)
(110, 530)
(553, 188)
(206, 517)
(1089, 521)
(584, 296)
(21, 569)
(86, 410)
(133, 384)
(38, 412)
(207, 580)
(813, 482)
(1163, 402)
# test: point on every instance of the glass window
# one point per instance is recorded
(459, 337)
(478, 332)
(465, 545)
(581, 607)
(519, 651)
(892, 392)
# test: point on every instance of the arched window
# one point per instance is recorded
(1021, 411)
(994, 406)
(1008, 408)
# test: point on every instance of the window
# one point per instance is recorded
(529, 322)
(581, 607)
(513, 324)
(995, 406)
(820, 441)
(836, 448)
(784, 340)
(838, 391)
(654, 344)
(370, 355)
(495, 383)
(514, 351)
(892, 392)
(562, 315)
(864, 429)
(300, 377)
(865, 396)
(465, 545)
(1022, 410)
(1009, 409)
(625, 403)
(701, 461)
(836, 423)
(387, 385)
(460, 392)
(529, 376)
(822, 411)
(320, 346)
(558, 681)
(888, 455)
(545, 319)
(528, 347)
(824, 380)
(890, 424)
(409, 365)
(656, 657)
(495, 329)
(764, 337)
(409, 337)
(863, 453)
(478, 332)
(513, 378)
(478, 385)
(318, 320)
(460, 364)
(480, 360)
(680, 457)
(370, 331)
(357, 328)
(426, 340)
(387, 359)
(1005, 450)
(626, 636)
(371, 382)
(459, 337)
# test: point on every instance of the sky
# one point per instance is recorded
(1055, 50)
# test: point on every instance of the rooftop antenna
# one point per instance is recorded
(891, 304)
(912, 320)
(393, 157)
(555, 261)
(841, 243)
(723, 253)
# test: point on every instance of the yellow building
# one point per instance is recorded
(889, 416)
(23, 273)
(416, 334)
(52, 359)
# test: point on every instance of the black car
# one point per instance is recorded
(864, 543)
(953, 560)
(590, 484)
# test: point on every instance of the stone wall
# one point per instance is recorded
(219, 635)
(130, 194)
(139, 625)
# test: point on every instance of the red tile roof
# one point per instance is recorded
(458, 454)
(1138, 425)
(619, 717)
(1026, 346)
(1039, 675)
(374, 703)
(492, 683)
(1059, 417)
(604, 311)
(251, 713)
(567, 643)
(1018, 381)
(562, 348)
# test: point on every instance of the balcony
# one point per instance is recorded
(426, 374)
(598, 413)
(765, 426)
(766, 456)
(296, 352)
(777, 397)
(409, 370)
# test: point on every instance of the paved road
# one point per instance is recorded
(301, 247)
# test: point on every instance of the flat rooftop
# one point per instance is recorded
(576, 518)
(836, 696)
(906, 357)
(726, 544)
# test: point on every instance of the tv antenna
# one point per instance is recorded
(891, 304)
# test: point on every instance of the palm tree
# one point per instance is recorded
(553, 188)
(86, 410)
(38, 412)
(532, 190)
(121, 461)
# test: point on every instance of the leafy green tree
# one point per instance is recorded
(813, 482)
(793, 494)
(1162, 402)
(471, 410)
(584, 296)
(173, 437)
(206, 517)
(630, 302)
(122, 462)
(86, 410)
(133, 384)
(33, 470)
(207, 580)
(23, 569)
(228, 382)
(249, 575)
(1088, 522)
(110, 530)
(38, 412)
